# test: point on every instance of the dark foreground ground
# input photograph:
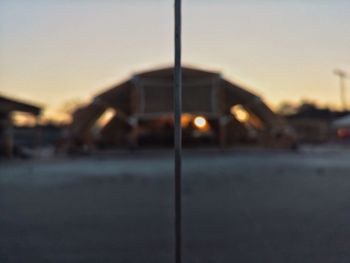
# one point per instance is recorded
(238, 207)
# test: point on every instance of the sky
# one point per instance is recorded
(56, 51)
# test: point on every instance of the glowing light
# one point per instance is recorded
(185, 120)
(106, 117)
(240, 113)
(200, 122)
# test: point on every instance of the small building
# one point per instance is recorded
(341, 127)
(311, 130)
(215, 111)
(7, 107)
(316, 125)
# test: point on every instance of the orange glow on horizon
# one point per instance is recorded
(24, 119)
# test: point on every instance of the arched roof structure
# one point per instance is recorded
(149, 95)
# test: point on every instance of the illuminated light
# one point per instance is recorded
(200, 122)
(240, 113)
(185, 120)
(106, 117)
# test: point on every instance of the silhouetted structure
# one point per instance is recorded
(144, 105)
(7, 106)
(313, 124)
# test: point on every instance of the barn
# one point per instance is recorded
(215, 112)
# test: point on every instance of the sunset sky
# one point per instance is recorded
(54, 51)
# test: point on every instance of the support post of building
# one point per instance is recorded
(134, 135)
(6, 135)
(38, 133)
(223, 132)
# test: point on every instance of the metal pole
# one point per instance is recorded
(342, 76)
(178, 132)
(343, 92)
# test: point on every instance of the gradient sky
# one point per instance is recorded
(53, 51)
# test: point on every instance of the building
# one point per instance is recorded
(315, 125)
(215, 112)
(341, 128)
(7, 107)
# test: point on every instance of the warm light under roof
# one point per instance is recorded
(200, 122)
(240, 113)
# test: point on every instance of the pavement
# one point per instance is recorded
(264, 206)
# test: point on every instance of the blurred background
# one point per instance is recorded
(86, 130)
(60, 55)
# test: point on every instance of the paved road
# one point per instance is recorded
(238, 207)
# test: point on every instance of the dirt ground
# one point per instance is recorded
(237, 207)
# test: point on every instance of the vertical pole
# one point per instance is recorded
(342, 76)
(342, 91)
(178, 132)
(222, 132)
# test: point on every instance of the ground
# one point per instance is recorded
(237, 207)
